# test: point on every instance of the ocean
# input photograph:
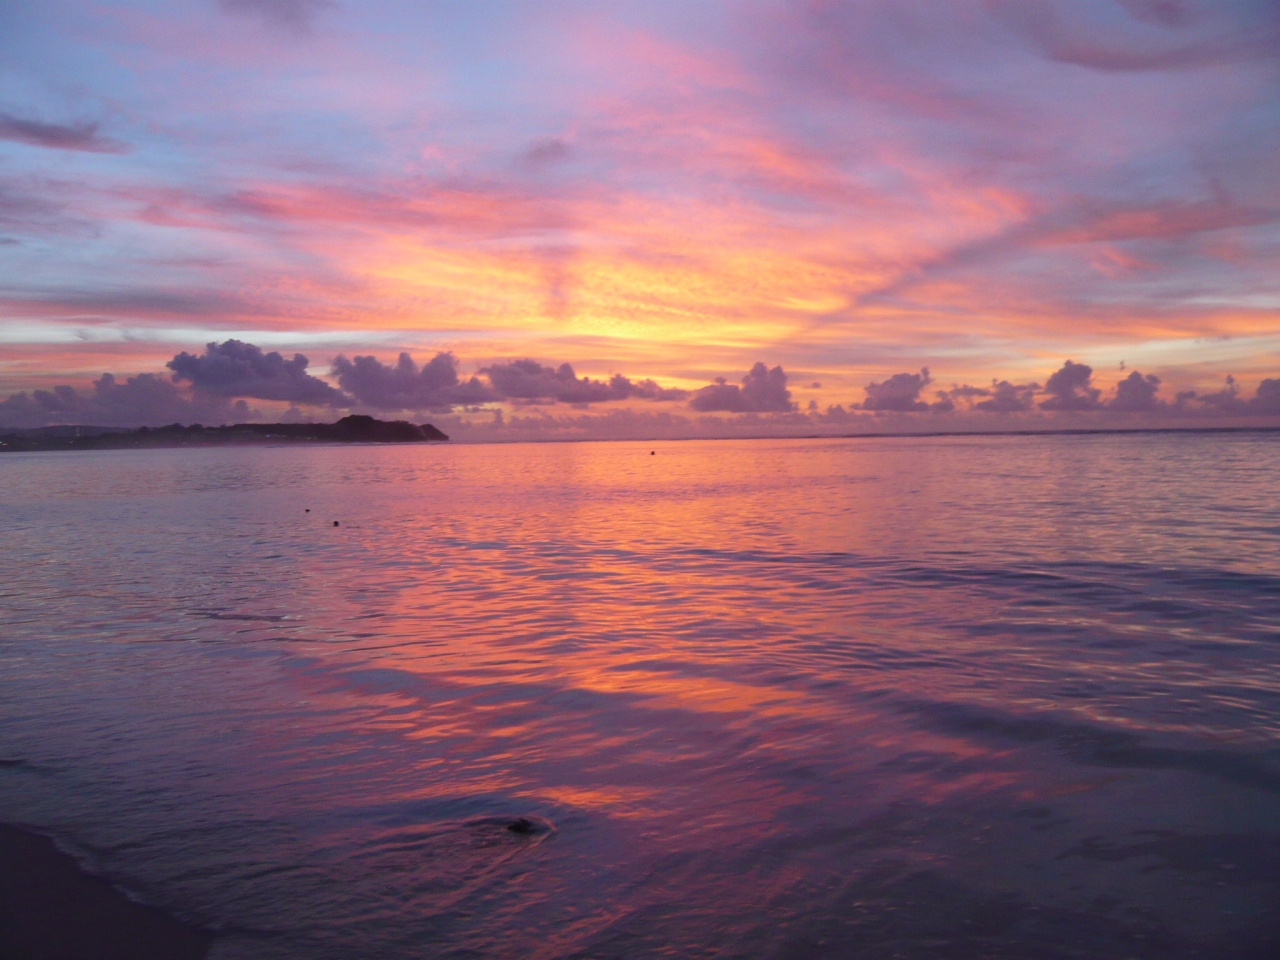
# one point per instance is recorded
(951, 697)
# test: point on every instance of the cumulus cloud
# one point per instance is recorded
(899, 394)
(649, 390)
(1224, 402)
(211, 388)
(1267, 399)
(762, 391)
(530, 382)
(436, 385)
(145, 400)
(1071, 388)
(79, 136)
(1006, 397)
(405, 387)
(1137, 394)
(237, 369)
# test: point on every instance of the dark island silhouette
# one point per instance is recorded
(353, 429)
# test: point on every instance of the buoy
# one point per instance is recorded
(308, 509)
(652, 452)
(335, 523)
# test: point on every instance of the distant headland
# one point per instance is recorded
(352, 429)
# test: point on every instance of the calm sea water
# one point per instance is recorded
(972, 697)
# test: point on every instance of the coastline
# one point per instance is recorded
(352, 429)
(877, 435)
(51, 908)
(261, 435)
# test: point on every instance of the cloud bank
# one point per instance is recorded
(762, 391)
(531, 382)
(899, 394)
(516, 398)
(147, 400)
(406, 387)
(236, 369)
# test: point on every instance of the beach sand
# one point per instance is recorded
(50, 909)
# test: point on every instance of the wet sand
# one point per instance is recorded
(50, 909)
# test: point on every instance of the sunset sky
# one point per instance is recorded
(668, 191)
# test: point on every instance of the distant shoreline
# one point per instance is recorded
(400, 431)
(892, 435)
(352, 429)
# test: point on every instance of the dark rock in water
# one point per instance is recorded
(335, 523)
(522, 825)
(308, 510)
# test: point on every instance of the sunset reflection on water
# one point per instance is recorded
(904, 697)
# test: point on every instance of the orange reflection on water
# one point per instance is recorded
(834, 669)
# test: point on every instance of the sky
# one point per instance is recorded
(761, 216)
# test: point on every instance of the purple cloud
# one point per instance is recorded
(1006, 397)
(1137, 394)
(530, 381)
(406, 387)
(899, 394)
(237, 369)
(762, 391)
(1267, 399)
(1164, 35)
(1224, 402)
(145, 400)
(1071, 389)
(80, 136)
(226, 373)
